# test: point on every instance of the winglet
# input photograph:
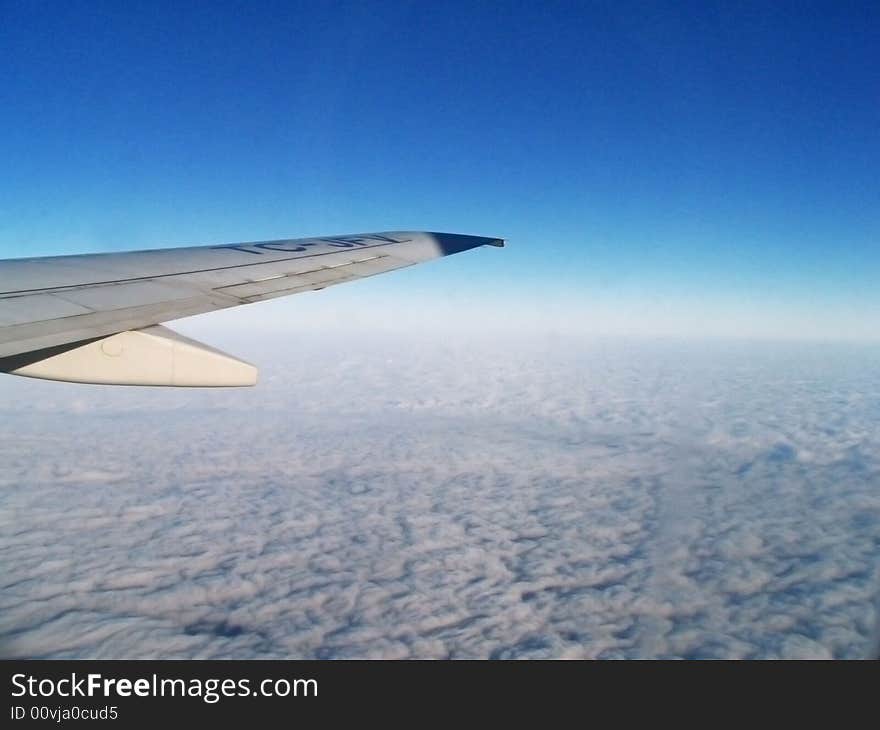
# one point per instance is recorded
(451, 243)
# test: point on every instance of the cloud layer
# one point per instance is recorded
(406, 498)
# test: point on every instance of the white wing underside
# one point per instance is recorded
(54, 309)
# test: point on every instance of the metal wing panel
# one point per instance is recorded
(22, 310)
(19, 276)
(49, 333)
(59, 300)
(123, 296)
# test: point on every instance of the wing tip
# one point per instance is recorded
(451, 243)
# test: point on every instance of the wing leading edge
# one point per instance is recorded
(93, 317)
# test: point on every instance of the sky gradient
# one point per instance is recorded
(657, 168)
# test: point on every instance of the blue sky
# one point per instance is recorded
(658, 168)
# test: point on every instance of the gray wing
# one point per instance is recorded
(61, 316)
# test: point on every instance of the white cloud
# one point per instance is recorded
(402, 497)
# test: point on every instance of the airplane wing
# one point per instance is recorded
(96, 318)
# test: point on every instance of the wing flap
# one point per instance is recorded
(49, 333)
(123, 296)
(376, 265)
(341, 270)
(21, 310)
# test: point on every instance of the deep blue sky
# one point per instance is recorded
(657, 167)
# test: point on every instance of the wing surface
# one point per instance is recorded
(55, 302)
